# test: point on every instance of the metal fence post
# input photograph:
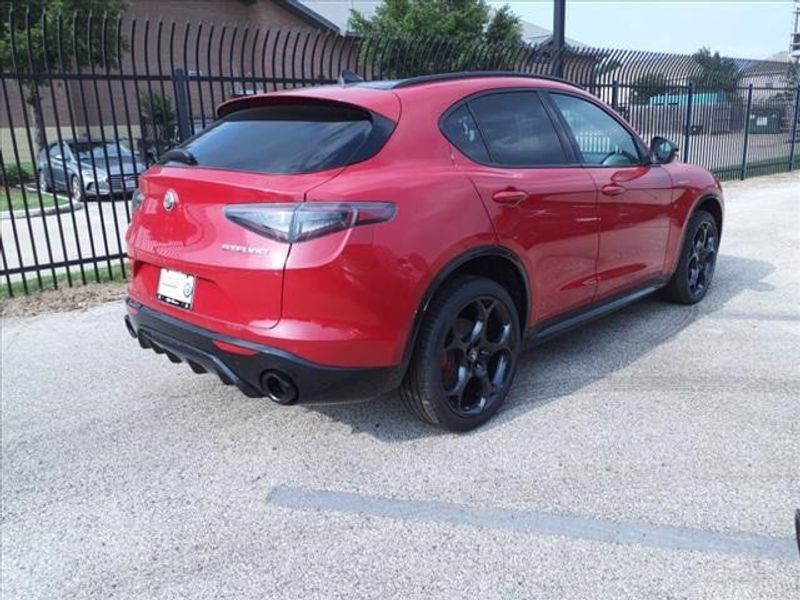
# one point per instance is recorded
(180, 84)
(615, 95)
(794, 128)
(743, 172)
(687, 127)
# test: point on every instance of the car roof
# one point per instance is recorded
(394, 84)
(382, 96)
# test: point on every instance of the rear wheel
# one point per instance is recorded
(77, 189)
(698, 259)
(466, 355)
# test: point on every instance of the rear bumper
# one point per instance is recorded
(248, 366)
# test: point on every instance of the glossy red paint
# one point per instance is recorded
(352, 298)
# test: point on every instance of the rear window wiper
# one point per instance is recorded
(178, 155)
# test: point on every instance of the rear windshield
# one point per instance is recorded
(290, 139)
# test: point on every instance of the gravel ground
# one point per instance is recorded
(653, 454)
(63, 299)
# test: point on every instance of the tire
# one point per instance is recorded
(43, 183)
(465, 356)
(76, 189)
(691, 280)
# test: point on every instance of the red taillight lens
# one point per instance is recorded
(299, 221)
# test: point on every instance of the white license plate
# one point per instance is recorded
(175, 288)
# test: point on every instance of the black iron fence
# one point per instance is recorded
(91, 101)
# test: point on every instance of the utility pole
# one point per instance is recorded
(559, 18)
(794, 55)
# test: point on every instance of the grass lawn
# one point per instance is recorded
(18, 202)
(48, 283)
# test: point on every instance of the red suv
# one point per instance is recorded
(332, 244)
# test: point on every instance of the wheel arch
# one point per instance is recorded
(493, 262)
(711, 204)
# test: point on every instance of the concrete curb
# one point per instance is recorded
(38, 212)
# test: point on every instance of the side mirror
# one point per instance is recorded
(662, 150)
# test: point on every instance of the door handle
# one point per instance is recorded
(510, 196)
(612, 189)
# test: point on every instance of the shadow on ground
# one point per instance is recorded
(575, 360)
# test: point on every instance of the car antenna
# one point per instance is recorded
(346, 77)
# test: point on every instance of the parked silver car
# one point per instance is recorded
(88, 168)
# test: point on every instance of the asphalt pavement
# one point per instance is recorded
(653, 454)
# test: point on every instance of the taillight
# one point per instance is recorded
(136, 200)
(299, 221)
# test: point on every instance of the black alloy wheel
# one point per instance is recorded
(697, 261)
(465, 356)
(477, 356)
(702, 258)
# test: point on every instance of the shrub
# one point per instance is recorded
(15, 175)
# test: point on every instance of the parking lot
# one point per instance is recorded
(652, 454)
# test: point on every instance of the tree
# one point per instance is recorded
(35, 36)
(159, 125)
(455, 19)
(647, 86)
(504, 28)
(433, 35)
(717, 74)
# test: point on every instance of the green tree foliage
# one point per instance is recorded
(647, 86)
(158, 118)
(717, 74)
(36, 35)
(467, 34)
(504, 28)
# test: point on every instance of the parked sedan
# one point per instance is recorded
(88, 168)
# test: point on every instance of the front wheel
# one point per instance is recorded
(44, 184)
(691, 280)
(465, 357)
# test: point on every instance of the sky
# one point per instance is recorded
(737, 28)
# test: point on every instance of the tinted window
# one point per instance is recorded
(517, 130)
(601, 139)
(289, 139)
(460, 129)
(88, 150)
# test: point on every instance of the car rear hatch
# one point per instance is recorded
(258, 156)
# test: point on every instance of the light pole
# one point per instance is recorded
(559, 17)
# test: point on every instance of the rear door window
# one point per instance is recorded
(517, 130)
(290, 139)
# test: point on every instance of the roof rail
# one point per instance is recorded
(422, 79)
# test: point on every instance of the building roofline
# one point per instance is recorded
(299, 9)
